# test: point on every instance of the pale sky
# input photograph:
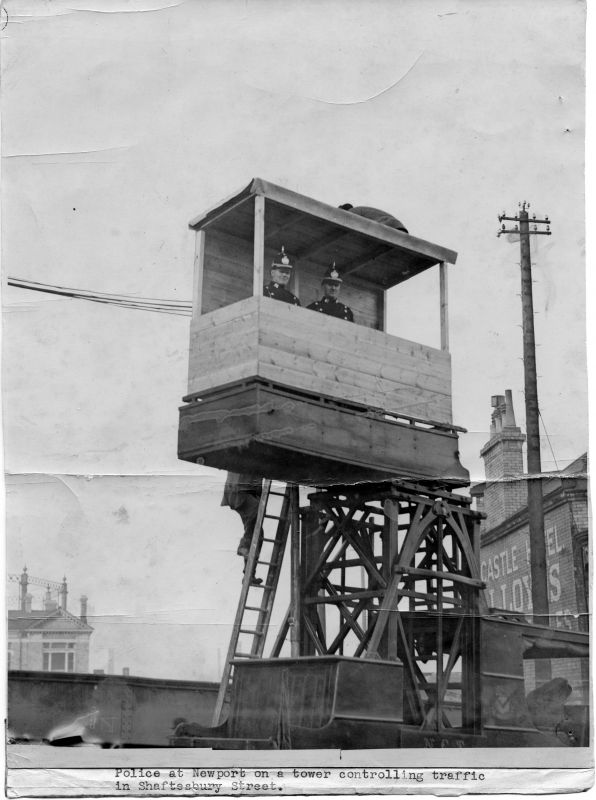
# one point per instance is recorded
(120, 126)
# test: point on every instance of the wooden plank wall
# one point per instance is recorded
(349, 362)
(224, 346)
(227, 270)
(321, 355)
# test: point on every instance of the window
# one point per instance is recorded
(58, 656)
(9, 656)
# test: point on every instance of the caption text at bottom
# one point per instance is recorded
(274, 780)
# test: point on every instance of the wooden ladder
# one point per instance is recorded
(261, 576)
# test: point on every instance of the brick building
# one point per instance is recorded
(50, 638)
(505, 548)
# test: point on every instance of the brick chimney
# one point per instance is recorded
(506, 491)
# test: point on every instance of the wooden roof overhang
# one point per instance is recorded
(309, 229)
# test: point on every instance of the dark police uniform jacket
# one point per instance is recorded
(237, 486)
(277, 292)
(331, 306)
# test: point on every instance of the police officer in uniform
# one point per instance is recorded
(281, 270)
(242, 493)
(329, 304)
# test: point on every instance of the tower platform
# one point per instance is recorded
(280, 391)
(266, 429)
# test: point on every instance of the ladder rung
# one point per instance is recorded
(255, 585)
(274, 566)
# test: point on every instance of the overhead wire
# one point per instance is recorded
(155, 304)
(89, 291)
(548, 440)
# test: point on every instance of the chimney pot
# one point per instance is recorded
(83, 615)
(48, 603)
(509, 421)
(24, 583)
(497, 402)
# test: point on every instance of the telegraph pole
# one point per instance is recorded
(525, 227)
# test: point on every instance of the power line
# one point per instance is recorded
(99, 294)
(548, 440)
(158, 305)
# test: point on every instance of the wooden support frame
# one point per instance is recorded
(422, 601)
(444, 305)
(199, 264)
(295, 598)
(259, 247)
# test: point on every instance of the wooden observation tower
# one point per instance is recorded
(386, 612)
(279, 392)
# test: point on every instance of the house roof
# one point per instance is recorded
(57, 619)
(577, 469)
(572, 475)
(322, 234)
(579, 466)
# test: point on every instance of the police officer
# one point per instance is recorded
(329, 304)
(281, 270)
(242, 493)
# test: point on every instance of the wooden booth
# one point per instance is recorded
(282, 392)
